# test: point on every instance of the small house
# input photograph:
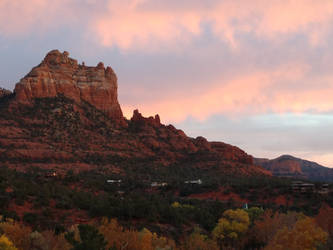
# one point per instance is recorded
(324, 189)
(157, 184)
(113, 181)
(302, 187)
(199, 182)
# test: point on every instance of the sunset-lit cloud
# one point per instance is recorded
(287, 89)
(136, 24)
(142, 24)
(19, 17)
(191, 60)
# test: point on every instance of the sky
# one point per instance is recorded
(256, 74)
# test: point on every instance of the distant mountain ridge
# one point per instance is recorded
(290, 166)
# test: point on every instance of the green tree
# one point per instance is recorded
(254, 213)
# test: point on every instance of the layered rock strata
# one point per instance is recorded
(60, 74)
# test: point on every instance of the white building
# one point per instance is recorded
(199, 182)
(113, 181)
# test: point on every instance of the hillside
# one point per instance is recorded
(289, 166)
(63, 115)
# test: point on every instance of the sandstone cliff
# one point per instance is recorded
(60, 74)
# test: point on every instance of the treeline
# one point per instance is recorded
(252, 228)
(134, 199)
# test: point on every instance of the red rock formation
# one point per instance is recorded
(139, 119)
(68, 130)
(59, 74)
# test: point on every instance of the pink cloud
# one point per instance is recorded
(131, 24)
(126, 26)
(142, 24)
(254, 93)
(20, 17)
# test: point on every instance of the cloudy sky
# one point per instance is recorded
(256, 74)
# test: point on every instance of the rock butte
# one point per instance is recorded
(60, 74)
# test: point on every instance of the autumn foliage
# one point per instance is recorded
(121, 238)
(252, 228)
(231, 227)
(305, 234)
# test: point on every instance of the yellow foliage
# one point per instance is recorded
(114, 234)
(17, 233)
(305, 234)
(232, 224)
(176, 204)
(6, 244)
(24, 238)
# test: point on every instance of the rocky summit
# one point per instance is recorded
(60, 74)
(63, 115)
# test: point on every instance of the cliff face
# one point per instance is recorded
(65, 115)
(60, 74)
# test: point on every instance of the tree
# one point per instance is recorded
(55, 241)
(254, 213)
(266, 226)
(121, 238)
(17, 233)
(198, 241)
(38, 241)
(116, 235)
(6, 244)
(232, 225)
(90, 238)
(325, 220)
(305, 234)
(145, 238)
